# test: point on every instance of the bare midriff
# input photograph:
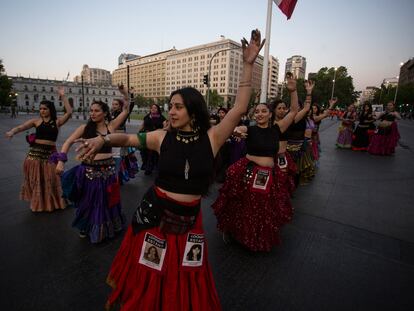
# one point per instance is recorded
(261, 161)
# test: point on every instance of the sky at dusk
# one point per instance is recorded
(48, 39)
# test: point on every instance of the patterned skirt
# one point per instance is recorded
(251, 208)
(344, 139)
(94, 190)
(41, 186)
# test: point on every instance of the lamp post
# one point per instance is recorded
(396, 90)
(333, 82)
(209, 71)
(83, 99)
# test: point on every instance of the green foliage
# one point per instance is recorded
(215, 100)
(405, 96)
(344, 89)
(5, 87)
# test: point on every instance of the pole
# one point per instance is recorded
(380, 96)
(333, 84)
(129, 115)
(83, 99)
(263, 94)
(396, 91)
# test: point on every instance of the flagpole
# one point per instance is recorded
(263, 94)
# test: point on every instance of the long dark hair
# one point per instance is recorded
(51, 106)
(90, 128)
(363, 109)
(274, 106)
(196, 107)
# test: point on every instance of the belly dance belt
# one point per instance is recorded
(40, 152)
(99, 168)
(157, 210)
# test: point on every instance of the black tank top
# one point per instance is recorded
(296, 131)
(47, 131)
(174, 155)
(114, 115)
(104, 149)
(263, 142)
(388, 117)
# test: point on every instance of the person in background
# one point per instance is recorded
(41, 186)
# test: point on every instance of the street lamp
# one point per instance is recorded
(398, 82)
(333, 82)
(209, 71)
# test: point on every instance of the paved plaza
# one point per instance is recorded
(350, 245)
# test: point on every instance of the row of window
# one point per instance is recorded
(43, 89)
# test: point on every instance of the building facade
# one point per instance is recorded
(273, 78)
(157, 75)
(30, 92)
(95, 76)
(367, 95)
(407, 72)
(297, 66)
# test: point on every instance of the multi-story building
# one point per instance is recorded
(390, 82)
(297, 66)
(30, 92)
(273, 77)
(146, 74)
(368, 94)
(407, 72)
(158, 74)
(94, 76)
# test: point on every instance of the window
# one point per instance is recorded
(25, 87)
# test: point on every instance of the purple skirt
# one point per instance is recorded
(95, 194)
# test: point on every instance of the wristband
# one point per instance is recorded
(55, 157)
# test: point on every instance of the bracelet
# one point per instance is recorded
(55, 157)
(106, 139)
(292, 91)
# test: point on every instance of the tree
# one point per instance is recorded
(5, 87)
(344, 88)
(215, 100)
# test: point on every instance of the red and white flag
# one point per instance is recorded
(286, 6)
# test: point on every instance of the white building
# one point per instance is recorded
(297, 66)
(30, 92)
(94, 76)
(273, 77)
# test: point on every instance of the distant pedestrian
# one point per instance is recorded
(41, 186)
(364, 130)
(13, 111)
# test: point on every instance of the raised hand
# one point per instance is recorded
(290, 82)
(252, 49)
(309, 84)
(61, 91)
(332, 102)
(123, 90)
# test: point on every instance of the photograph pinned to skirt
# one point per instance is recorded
(194, 250)
(153, 252)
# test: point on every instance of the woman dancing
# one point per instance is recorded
(41, 186)
(168, 216)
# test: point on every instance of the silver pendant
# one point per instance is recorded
(186, 169)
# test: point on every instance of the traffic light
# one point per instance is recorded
(205, 80)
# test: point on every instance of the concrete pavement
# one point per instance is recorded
(350, 245)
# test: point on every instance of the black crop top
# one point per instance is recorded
(104, 149)
(172, 165)
(263, 142)
(115, 114)
(47, 131)
(387, 117)
(296, 131)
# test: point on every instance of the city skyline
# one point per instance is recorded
(370, 39)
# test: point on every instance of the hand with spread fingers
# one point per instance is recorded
(88, 148)
(309, 85)
(252, 49)
(290, 82)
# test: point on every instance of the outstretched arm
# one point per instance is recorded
(294, 105)
(116, 123)
(219, 133)
(308, 101)
(326, 113)
(60, 167)
(20, 128)
(68, 108)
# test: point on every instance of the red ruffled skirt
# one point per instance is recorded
(171, 280)
(385, 143)
(253, 218)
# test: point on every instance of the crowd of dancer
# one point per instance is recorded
(162, 263)
(378, 135)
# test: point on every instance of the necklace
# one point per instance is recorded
(187, 137)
